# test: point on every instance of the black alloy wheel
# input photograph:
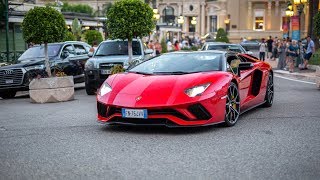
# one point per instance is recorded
(8, 94)
(232, 105)
(270, 92)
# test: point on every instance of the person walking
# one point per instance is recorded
(157, 47)
(293, 54)
(310, 50)
(282, 46)
(262, 49)
(270, 49)
(93, 47)
(177, 46)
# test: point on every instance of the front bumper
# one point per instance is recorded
(94, 78)
(205, 112)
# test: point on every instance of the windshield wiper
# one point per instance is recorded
(144, 73)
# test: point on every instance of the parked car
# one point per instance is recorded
(224, 47)
(250, 44)
(68, 57)
(186, 89)
(108, 54)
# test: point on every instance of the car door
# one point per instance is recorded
(80, 58)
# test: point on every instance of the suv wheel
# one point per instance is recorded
(90, 90)
(8, 94)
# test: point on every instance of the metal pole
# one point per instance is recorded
(6, 12)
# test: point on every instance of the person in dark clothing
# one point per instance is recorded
(269, 45)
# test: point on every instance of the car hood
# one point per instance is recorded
(23, 64)
(136, 90)
(112, 59)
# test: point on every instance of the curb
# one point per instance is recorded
(298, 76)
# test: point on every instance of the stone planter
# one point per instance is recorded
(54, 89)
(318, 76)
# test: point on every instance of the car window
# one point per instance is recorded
(113, 48)
(38, 51)
(67, 51)
(79, 49)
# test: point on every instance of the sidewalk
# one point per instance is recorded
(306, 75)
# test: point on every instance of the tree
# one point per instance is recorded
(164, 46)
(69, 36)
(93, 35)
(76, 28)
(222, 36)
(43, 25)
(316, 29)
(313, 10)
(128, 19)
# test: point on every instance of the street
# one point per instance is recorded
(64, 141)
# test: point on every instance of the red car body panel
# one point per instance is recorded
(165, 98)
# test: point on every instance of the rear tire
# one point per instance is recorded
(90, 90)
(270, 92)
(8, 94)
(232, 105)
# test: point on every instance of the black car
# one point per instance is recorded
(65, 57)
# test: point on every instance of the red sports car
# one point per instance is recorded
(186, 89)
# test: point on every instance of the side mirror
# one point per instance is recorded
(148, 51)
(90, 54)
(245, 65)
(64, 54)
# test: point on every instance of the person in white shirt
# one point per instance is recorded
(262, 49)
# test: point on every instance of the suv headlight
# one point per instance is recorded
(89, 65)
(28, 68)
(197, 90)
(104, 89)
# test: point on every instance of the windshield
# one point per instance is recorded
(38, 51)
(118, 48)
(226, 47)
(181, 63)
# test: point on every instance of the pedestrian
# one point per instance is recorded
(309, 51)
(151, 45)
(270, 47)
(157, 47)
(282, 54)
(169, 46)
(177, 46)
(262, 49)
(292, 54)
(94, 47)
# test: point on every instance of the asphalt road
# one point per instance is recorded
(64, 141)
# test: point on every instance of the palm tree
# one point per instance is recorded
(313, 10)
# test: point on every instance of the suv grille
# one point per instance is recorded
(109, 65)
(9, 77)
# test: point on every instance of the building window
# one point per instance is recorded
(259, 19)
(168, 15)
(213, 24)
(192, 27)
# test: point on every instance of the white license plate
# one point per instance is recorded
(134, 113)
(105, 71)
(9, 81)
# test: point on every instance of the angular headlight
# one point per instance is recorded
(197, 90)
(104, 89)
(89, 65)
(28, 68)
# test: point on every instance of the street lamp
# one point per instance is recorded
(194, 21)
(227, 22)
(156, 16)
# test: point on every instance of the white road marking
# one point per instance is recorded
(294, 80)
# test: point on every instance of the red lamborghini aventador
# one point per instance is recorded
(186, 89)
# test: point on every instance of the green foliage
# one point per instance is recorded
(316, 24)
(222, 36)
(43, 25)
(76, 29)
(93, 35)
(117, 69)
(129, 18)
(69, 36)
(164, 46)
(315, 59)
(78, 8)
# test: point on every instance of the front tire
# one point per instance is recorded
(270, 92)
(232, 105)
(8, 94)
(90, 90)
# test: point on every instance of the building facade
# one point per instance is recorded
(250, 19)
